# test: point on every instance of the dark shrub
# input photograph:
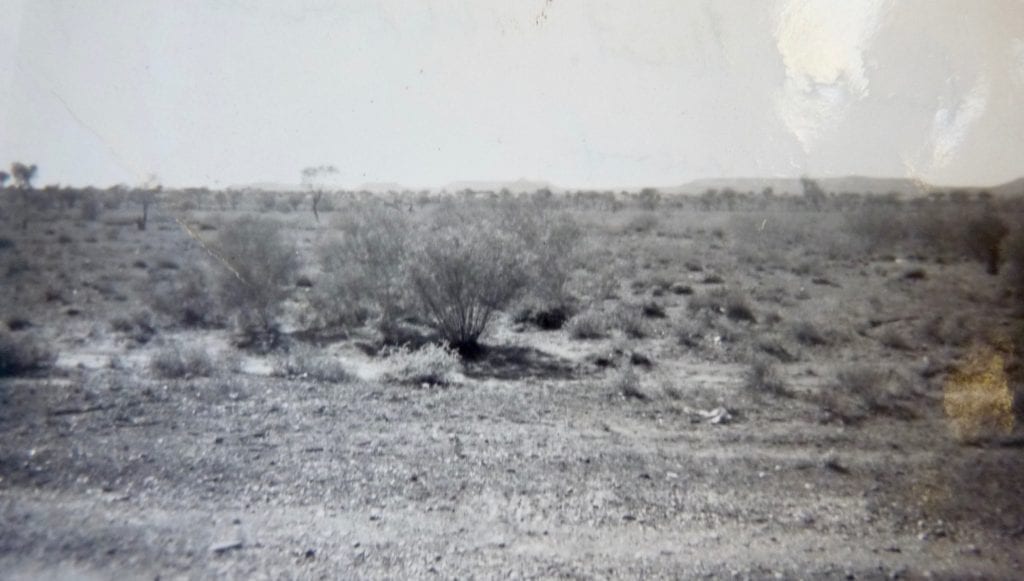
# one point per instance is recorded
(653, 310)
(20, 355)
(985, 235)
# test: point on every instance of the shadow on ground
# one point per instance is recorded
(517, 362)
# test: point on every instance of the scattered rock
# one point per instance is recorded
(718, 415)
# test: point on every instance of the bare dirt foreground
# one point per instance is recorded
(112, 476)
(540, 462)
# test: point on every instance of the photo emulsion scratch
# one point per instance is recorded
(403, 289)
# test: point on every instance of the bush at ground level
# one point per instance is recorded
(21, 354)
(429, 365)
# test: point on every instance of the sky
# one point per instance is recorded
(581, 93)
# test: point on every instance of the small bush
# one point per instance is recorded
(915, 274)
(626, 383)
(860, 392)
(691, 332)
(429, 365)
(630, 321)
(545, 317)
(138, 327)
(304, 362)
(893, 339)
(738, 308)
(175, 362)
(765, 378)
(774, 347)
(588, 325)
(730, 303)
(186, 298)
(641, 224)
(20, 355)
(809, 335)
(653, 310)
(682, 289)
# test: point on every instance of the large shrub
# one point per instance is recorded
(465, 268)
(365, 266)
(257, 267)
(184, 297)
(549, 241)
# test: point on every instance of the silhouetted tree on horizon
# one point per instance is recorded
(23, 174)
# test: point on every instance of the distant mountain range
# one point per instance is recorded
(905, 187)
(520, 186)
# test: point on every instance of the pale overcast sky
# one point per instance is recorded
(583, 93)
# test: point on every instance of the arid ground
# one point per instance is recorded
(748, 394)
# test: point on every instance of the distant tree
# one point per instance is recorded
(4, 176)
(709, 200)
(145, 197)
(312, 180)
(23, 174)
(730, 196)
(649, 198)
(959, 197)
(814, 195)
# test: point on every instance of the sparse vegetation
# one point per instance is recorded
(765, 379)
(861, 392)
(430, 365)
(305, 362)
(176, 361)
(757, 316)
(588, 325)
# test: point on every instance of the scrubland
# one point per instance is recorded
(510, 386)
